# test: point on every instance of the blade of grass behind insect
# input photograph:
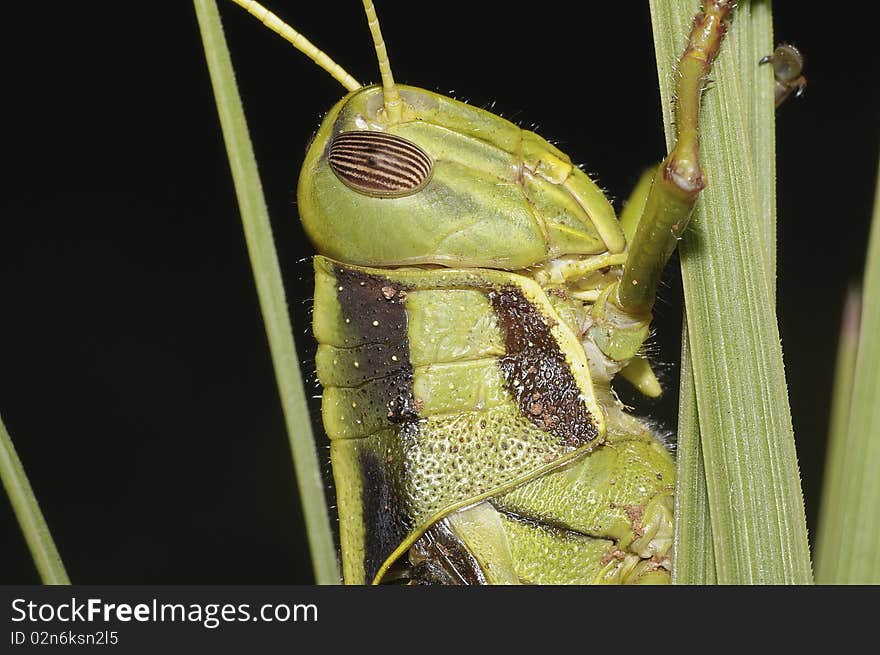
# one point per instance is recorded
(849, 525)
(27, 511)
(270, 289)
(752, 478)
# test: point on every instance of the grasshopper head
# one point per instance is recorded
(398, 175)
(447, 184)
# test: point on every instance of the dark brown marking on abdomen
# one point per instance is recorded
(536, 373)
(386, 524)
(373, 307)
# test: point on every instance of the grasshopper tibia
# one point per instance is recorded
(680, 177)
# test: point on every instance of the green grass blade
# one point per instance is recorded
(849, 528)
(829, 542)
(757, 89)
(267, 275)
(694, 554)
(27, 511)
(752, 478)
(696, 562)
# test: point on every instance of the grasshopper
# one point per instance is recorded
(475, 296)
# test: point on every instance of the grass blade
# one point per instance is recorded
(829, 543)
(752, 478)
(849, 521)
(757, 88)
(267, 275)
(27, 511)
(694, 556)
(696, 563)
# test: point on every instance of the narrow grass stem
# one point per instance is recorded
(270, 289)
(27, 511)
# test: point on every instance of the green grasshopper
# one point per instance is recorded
(475, 295)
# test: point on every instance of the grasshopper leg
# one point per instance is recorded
(660, 207)
(788, 66)
(679, 178)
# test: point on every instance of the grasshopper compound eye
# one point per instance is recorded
(379, 164)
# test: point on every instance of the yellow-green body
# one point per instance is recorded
(475, 296)
(549, 510)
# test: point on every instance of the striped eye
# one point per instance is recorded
(379, 164)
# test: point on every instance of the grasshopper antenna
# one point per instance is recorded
(305, 46)
(389, 89)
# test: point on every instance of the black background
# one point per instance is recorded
(134, 373)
